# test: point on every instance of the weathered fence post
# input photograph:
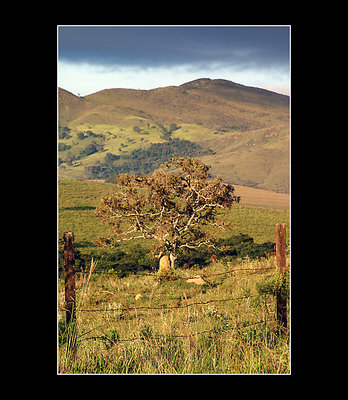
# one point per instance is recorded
(69, 270)
(281, 247)
(282, 313)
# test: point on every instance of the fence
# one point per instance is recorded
(70, 293)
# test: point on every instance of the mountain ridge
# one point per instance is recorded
(200, 82)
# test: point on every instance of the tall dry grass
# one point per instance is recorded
(133, 334)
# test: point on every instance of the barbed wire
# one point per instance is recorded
(167, 306)
(162, 306)
(170, 336)
(154, 274)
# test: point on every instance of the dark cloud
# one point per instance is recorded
(163, 46)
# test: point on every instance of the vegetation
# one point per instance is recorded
(63, 132)
(243, 133)
(225, 326)
(63, 147)
(78, 200)
(130, 320)
(170, 207)
(143, 161)
(132, 259)
(133, 333)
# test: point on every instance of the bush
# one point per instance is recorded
(113, 260)
(136, 259)
(237, 246)
(243, 245)
(109, 158)
(63, 132)
(81, 136)
(63, 146)
(90, 149)
(274, 283)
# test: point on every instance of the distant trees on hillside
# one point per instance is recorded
(81, 135)
(90, 149)
(168, 132)
(110, 158)
(63, 132)
(144, 161)
(63, 146)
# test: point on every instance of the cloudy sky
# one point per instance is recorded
(92, 58)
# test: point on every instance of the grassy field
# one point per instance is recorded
(77, 200)
(141, 324)
(147, 326)
(263, 198)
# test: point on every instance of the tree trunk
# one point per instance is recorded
(172, 260)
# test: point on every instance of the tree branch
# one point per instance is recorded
(206, 243)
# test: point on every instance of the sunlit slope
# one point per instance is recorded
(246, 129)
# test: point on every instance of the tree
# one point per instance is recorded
(89, 149)
(81, 135)
(110, 158)
(171, 206)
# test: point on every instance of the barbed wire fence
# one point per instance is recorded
(70, 293)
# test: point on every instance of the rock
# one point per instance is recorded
(198, 280)
(164, 266)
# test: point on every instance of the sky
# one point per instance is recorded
(93, 58)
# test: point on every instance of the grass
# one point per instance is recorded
(263, 198)
(259, 223)
(76, 210)
(134, 334)
(131, 335)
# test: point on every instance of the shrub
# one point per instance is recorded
(63, 146)
(63, 132)
(113, 260)
(90, 149)
(81, 136)
(274, 283)
(237, 246)
(136, 258)
(109, 158)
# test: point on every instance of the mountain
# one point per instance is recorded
(241, 131)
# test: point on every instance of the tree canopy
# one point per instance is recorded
(171, 205)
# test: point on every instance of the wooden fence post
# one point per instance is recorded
(281, 247)
(69, 270)
(282, 313)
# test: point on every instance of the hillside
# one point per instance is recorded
(242, 132)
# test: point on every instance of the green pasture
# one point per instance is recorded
(78, 199)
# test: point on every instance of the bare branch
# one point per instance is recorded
(205, 243)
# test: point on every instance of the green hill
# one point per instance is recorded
(242, 132)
